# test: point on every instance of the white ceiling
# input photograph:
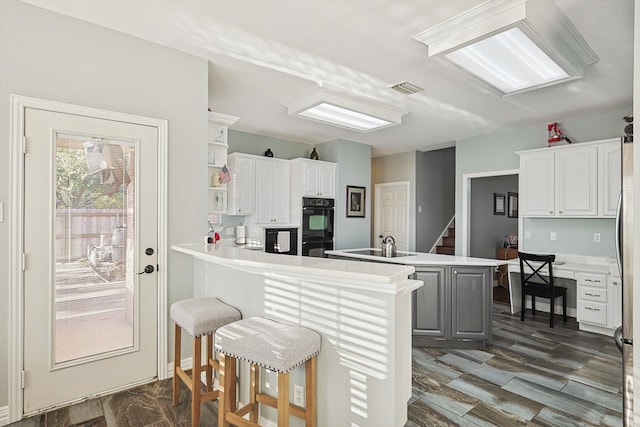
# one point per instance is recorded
(264, 53)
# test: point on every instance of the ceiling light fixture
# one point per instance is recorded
(344, 111)
(511, 46)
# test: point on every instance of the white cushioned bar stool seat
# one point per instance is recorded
(199, 317)
(272, 345)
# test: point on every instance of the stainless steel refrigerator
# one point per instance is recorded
(624, 246)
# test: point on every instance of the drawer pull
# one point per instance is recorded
(592, 309)
(593, 280)
(589, 294)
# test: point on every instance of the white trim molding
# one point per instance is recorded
(16, 223)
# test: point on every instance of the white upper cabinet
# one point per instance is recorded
(576, 179)
(242, 185)
(609, 170)
(272, 191)
(536, 191)
(318, 178)
(579, 180)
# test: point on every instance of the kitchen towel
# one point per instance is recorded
(283, 241)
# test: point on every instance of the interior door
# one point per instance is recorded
(392, 207)
(90, 228)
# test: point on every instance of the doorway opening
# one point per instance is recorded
(489, 223)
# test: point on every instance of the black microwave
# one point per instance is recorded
(281, 241)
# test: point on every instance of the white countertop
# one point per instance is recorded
(388, 278)
(568, 265)
(418, 258)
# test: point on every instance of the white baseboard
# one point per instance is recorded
(4, 415)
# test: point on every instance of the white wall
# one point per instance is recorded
(46, 55)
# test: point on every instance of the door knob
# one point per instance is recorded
(148, 269)
(149, 251)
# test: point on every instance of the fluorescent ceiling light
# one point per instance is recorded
(344, 111)
(511, 46)
(344, 117)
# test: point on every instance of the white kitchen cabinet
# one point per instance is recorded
(577, 180)
(615, 297)
(318, 178)
(593, 301)
(217, 147)
(609, 173)
(536, 192)
(241, 187)
(272, 191)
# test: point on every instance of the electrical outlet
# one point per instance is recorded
(527, 234)
(229, 231)
(552, 235)
(596, 237)
(298, 395)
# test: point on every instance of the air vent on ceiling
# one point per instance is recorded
(407, 88)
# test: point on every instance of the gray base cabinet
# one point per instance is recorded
(453, 308)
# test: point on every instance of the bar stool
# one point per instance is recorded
(200, 317)
(272, 345)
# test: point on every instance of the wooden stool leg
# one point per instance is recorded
(221, 389)
(209, 368)
(177, 336)
(310, 397)
(226, 388)
(196, 382)
(283, 399)
(254, 389)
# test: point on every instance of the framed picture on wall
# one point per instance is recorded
(355, 201)
(512, 205)
(498, 203)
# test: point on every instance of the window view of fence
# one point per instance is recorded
(93, 301)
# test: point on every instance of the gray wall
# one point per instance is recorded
(488, 230)
(435, 194)
(46, 55)
(497, 152)
(354, 168)
(396, 168)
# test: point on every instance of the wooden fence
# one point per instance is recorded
(76, 229)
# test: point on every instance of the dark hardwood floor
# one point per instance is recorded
(531, 375)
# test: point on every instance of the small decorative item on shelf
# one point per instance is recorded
(314, 154)
(268, 153)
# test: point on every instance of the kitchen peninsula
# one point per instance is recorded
(361, 310)
(453, 307)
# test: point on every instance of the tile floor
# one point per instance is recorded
(531, 375)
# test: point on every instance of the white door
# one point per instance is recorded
(392, 214)
(90, 224)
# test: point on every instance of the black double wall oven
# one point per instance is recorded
(317, 226)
